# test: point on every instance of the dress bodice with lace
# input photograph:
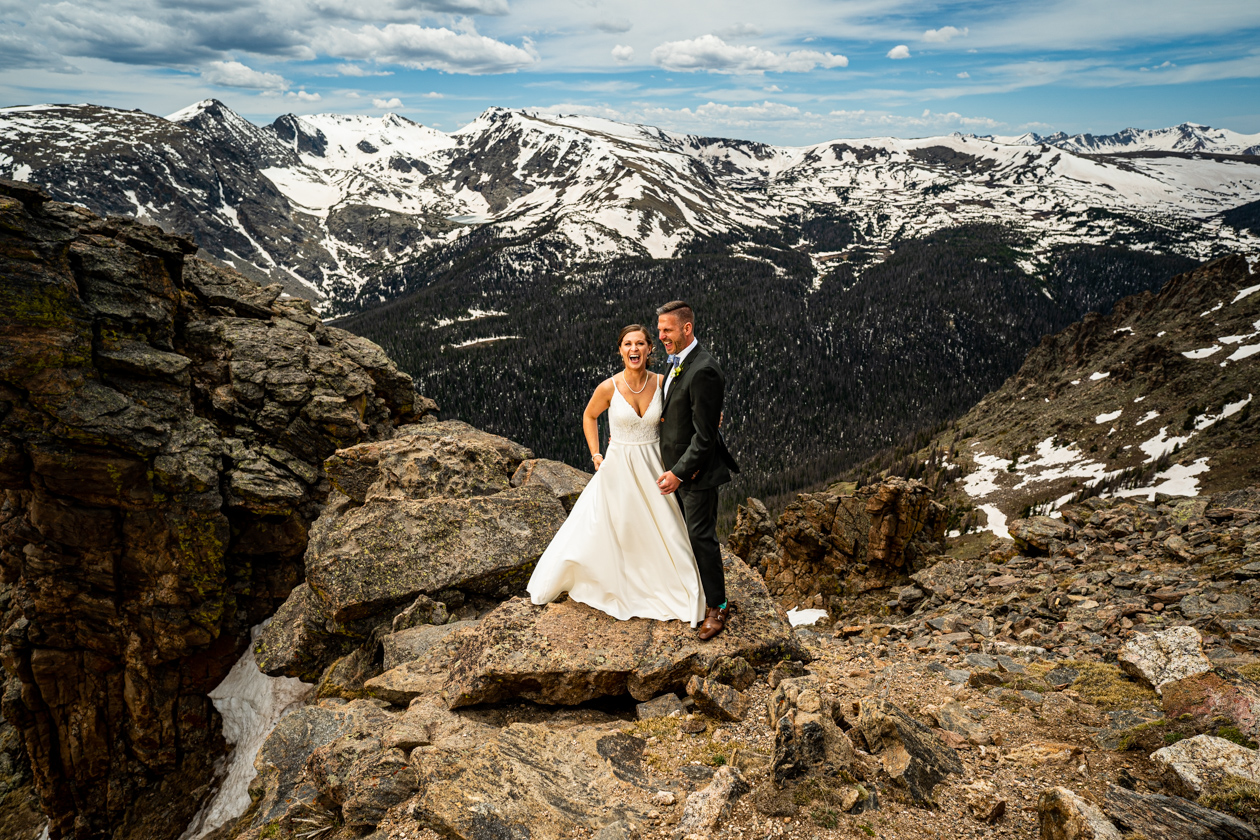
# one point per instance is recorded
(626, 426)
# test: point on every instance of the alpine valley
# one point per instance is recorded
(879, 287)
(263, 555)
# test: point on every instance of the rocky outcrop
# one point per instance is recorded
(1062, 815)
(825, 545)
(908, 751)
(807, 741)
(417, 525)
(566, 652)
(164, 428)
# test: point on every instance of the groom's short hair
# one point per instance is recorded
(680, 309)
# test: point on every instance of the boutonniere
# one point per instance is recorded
(676, 372)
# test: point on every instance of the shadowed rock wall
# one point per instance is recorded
(164, 427)
(825, 544)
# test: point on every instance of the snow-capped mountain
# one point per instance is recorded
(1186, 138)
(344, 208)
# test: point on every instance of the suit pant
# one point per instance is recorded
(700, 511)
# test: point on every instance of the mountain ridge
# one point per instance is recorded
(345, 210)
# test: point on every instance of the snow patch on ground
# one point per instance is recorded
(1161, 444)
(1177, 480)
(996, 521)
(1150, 415)
(1095, 376)
(803, 618)
(1201, 353)
(251, 704)
(1250, 290)
(1243, 352)
(470, 342)
(1109, 416)
(1229, 410)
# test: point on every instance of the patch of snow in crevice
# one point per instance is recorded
(1129, 330)
(1219, 304)
(1229, 410)
(251, 704)
(996, 521)
(804, 618)
(1250, 290)
(1139, 399)
(1095, 376)
(1161, 444)
(1109, 416)
(1150, 415)
(1201, 353)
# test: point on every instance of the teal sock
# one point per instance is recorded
(722, 606)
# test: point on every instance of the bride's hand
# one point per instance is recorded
(597, 459)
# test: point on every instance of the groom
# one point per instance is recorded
(692, 444)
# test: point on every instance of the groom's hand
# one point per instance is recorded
(668, 483)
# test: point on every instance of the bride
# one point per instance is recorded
(624, 548)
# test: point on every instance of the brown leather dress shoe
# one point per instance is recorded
(714, 622)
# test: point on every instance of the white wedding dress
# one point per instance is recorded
(624, 548)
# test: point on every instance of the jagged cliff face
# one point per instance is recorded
(165, 424)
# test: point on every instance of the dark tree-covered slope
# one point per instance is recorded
(820, 373)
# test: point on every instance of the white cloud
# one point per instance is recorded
(614, 25)
(360, 71)
(931, 120)
(964, 75)
(235, 74)
(433, 94)
(944, 35)
(706, 117)
(392, 102)
(352, 95)
(303, 96)
(623, 53)
(899, 51)
(711, 53)
(425, 48)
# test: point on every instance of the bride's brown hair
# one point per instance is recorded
(629, 328)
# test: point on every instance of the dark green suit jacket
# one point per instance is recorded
(691, 445)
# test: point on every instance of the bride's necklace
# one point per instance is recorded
(641, 387)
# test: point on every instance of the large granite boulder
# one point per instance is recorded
(465, 775)
(1164, 656)
(1204, 764)
(164, 427)
(567, 652)
(430, 514)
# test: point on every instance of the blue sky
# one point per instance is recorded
(781, 72)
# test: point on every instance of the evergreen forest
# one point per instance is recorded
(823, 370)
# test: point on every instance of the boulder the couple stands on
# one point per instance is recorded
(445, 522)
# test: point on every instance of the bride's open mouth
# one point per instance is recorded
(634, 358)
